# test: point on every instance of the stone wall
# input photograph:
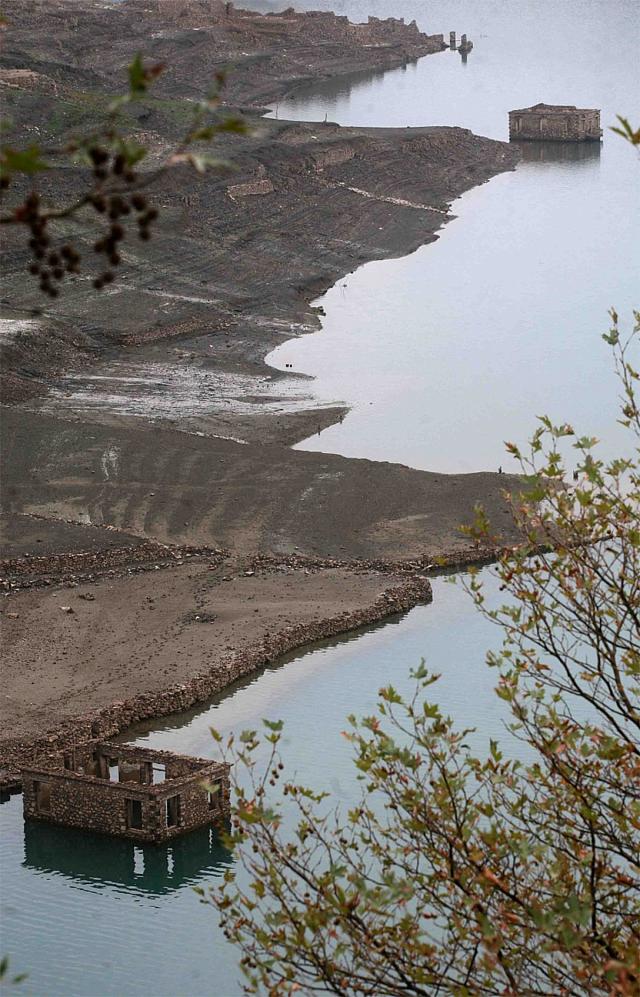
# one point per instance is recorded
(92, 802)
(568, 124)
(106, 722)
(386, 31)
(31, 571)
(252, 187)
(314, 25)
(333, 155)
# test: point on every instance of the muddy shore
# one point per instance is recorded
(149, 419)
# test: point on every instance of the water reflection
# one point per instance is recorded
(332, 92)
(97, 860)
(447, 353)
(558, 152)
(190, 717)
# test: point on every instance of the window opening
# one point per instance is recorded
(43, 797)
(173, 811)
(134, 814)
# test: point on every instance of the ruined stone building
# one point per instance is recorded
(555, 123)
(127, 791)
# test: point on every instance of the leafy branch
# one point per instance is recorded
(117, 181)
(467, 875)
(626, 131)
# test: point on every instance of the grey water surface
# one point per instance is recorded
(446, 353)
(443, 355)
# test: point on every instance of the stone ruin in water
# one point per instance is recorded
(555, 123)
(126, 791)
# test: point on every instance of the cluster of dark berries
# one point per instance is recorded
(115, 207)
(146, 216)
(118, 165)
(49, 265)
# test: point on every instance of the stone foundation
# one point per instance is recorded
(71, 567)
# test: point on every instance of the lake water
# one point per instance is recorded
(90, 916)
(445, 354)
(454, 348)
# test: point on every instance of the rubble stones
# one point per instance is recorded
(69, 568)
(110, 721)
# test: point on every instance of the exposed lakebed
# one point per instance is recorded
(457, 346)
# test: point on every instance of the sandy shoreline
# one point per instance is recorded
(150, 430)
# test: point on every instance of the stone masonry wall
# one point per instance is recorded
(333, 155)
(97, 804)
(108, 721)
(31, 571)
(569, 126)
(84, 802)
(314, 25)
(253, 187)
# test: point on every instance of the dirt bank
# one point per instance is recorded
(356, 536)
(90, 660)
(147, 418)
(181, 334)
(178, 488)
(265, 56)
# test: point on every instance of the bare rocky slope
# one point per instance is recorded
(149, 410)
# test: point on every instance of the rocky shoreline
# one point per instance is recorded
(149, 431)
(117, 716)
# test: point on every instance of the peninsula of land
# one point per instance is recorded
(160, 539)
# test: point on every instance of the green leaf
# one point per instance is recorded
(625, 130)
(132, 151)
(137, 76)
(235, 125)
(27, 161)
(202, 163)
(274, 725)
(203, 134)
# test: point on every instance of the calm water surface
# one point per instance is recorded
(450, 351)
(91, 916)
(455, 348)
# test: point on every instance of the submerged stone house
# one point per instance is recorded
(127, 791)
(555, 123)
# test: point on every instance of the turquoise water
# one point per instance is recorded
(89, 916)
(456, 347)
